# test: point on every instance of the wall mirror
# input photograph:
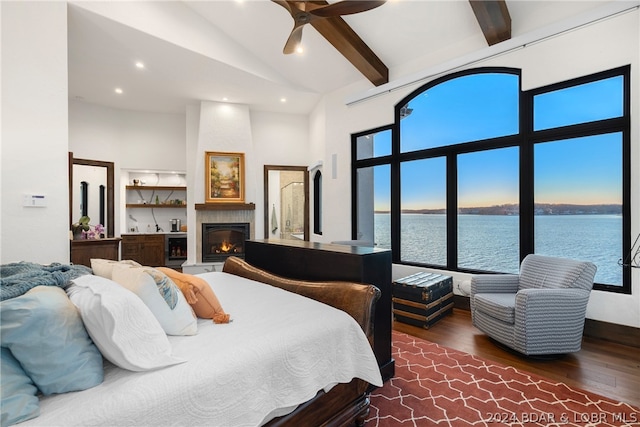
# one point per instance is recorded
(91, 192)
(286, 202)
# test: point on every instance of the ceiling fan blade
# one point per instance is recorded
(294, 40)
(346, 7)
(286, 4)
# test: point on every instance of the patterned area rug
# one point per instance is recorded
(439, 386)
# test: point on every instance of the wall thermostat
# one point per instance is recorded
(34, 201)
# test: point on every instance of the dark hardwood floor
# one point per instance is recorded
(602, 367)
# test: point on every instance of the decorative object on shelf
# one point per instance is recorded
(224, 177)
(153, 200)
(83, 230)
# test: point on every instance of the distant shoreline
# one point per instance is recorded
(512, 209)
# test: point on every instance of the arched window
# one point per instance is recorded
(479, 174)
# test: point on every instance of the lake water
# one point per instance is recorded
(491, 242)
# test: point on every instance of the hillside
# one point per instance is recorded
(540, 209)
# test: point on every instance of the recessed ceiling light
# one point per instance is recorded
(299, 49)
(283, 99)
(225, 99)
(139, 65)
(118, 91)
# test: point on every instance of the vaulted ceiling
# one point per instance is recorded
(231, 50)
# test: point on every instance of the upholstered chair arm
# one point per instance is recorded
(494, 283)
(552, 301)
(546, 319)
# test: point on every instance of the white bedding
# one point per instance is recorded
(278, 351)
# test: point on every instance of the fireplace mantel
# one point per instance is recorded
(225, 206)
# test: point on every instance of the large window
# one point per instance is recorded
(588, 102)
(423, 219)
(475, 174)
(478, 106)
(488, 207)
(578, 201)
(373, 179)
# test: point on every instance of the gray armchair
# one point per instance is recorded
(540, 311)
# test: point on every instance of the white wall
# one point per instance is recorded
(34, 132)
(335, 122)
(131, 140)
(317, 123)
(193, 130)
(611, 43)
(278, 139)
(153, 141)
(264, 138)
(225, 128)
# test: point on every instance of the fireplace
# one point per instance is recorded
(222, 240)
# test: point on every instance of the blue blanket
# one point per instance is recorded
(18, 277)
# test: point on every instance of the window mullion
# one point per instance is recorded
(395, 192)
(526, 176)
(452, 211)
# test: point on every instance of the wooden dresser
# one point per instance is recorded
(321, 261)
(83, 250)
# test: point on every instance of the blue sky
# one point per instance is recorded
(577, 171)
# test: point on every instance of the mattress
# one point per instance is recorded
(278, 351)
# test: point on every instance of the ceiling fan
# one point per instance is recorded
(326, 19)
(305, 12)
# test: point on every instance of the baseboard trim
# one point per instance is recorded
(619, 334)
(461, 302)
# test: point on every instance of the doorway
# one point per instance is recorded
(286, 202)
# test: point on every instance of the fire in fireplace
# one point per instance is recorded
(221, 240)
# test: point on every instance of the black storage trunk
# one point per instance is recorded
(422, 298)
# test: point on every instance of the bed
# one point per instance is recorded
(284, 359)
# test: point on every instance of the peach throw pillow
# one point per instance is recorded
(199, 295)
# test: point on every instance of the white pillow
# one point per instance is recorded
(104, 267)
(121, 326)
(161, 295)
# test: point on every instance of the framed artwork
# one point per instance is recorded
(224, 177)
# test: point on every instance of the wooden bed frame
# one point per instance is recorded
(345, 404)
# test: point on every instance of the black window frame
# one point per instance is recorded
(317, 203)
(525, 140)
(365, 163)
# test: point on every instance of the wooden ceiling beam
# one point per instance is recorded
(337, 32)
(494, 19)
(351, 46)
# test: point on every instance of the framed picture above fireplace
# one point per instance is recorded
(224, 177)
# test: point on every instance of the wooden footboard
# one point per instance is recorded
(357, 299)
(345, 404)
